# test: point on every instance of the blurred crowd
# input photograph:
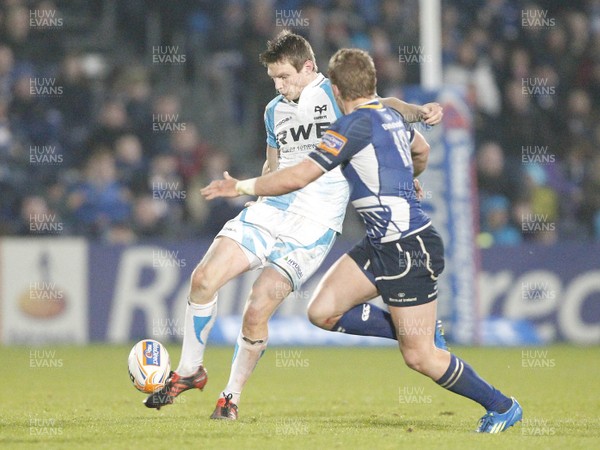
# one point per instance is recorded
(113, 141)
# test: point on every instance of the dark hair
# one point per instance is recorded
(288, 47)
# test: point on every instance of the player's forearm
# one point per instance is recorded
(281, 182)
(277, 183)
(410, 111)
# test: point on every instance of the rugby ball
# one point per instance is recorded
(149, 365)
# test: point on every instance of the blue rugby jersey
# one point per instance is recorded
(372, 146)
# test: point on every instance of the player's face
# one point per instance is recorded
(288, 81)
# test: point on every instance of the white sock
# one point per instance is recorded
(199, 320)
(245, 359)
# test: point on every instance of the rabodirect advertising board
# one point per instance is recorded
(449, 200)
(70, 291)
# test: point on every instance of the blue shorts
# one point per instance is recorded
(405, 271)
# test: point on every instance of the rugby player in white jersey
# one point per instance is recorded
(286, 236)
(401, 255)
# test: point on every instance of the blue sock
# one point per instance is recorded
(366, 320)
(461, 379)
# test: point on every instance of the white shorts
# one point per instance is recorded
(292, 244)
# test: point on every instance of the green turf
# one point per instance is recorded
(330, 398)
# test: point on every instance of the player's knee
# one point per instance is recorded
(320, 316)
(253, 316)
(315, 318)
(415, 358)
(201, 287)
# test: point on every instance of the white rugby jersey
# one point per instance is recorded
(295, 129)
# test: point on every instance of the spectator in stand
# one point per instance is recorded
(475, 72)
(113, 123)
(134, 88)
(7, 71)
(493, 175)
(496, 221)
(30, 114)
(522, 124)
(151, 218)
(580, 118)
(100, 200)
(222, 209)
(34, 39)
(191, 152)
(75, 103)
(166, 186)
(131, 164)
(37, 219)
(156, 130)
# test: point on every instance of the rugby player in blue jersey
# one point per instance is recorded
(286, 236)
(402, 254)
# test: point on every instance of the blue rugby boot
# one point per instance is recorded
(495, 422)
(439, 339)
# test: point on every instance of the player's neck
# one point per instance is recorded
(351, 105)
(311, 77)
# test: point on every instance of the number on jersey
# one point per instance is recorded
(403, 146)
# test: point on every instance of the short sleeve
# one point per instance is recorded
(270, 126)
(346, 137)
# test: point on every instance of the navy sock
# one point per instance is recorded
(461, 379)
(366, 320)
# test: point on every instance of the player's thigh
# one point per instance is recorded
(241, 245)
(344, 286)
(268, 291)
(300, 248)
(254, 229)
(223, 261)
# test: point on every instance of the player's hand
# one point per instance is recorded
(220, 188)
(418, 189)
(431, 113)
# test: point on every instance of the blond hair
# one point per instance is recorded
(352, 70)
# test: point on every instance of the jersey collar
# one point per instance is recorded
(318, 80)
(371, 104)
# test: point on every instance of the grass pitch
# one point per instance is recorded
(351, 398)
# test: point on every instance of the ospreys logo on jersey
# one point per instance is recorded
(320, 112)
